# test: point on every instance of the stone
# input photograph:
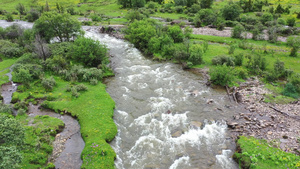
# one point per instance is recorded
(269, 132)
(285, 137)
(196, 124)
(232, 124)
(177, 134)
(210, 101)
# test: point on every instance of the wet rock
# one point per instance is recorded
(196, 124)
(285, 137)
(177, 134)
(247, 118)
(239, 97)
(232, 125)
(210, 101)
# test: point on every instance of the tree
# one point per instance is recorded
(61, 26)
(41, 48)
(231, 12)
(294, 42)
(206, 3)
(279, 9)
(20, 7)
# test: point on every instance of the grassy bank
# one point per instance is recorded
(255, 153)
(4, 68)
(93, 109)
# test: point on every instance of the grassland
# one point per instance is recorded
(94, 111)
(255, 153)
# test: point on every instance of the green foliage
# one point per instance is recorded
(238, 59)
(9, 17)
(196, 54)
(272, 32)
(23, 76)
(132, 3)
(88, 52)
(256, 63)
(294, 79)
(9, 49)
(78, 73)
(56, 63)
(133, 15)
(205, 17)
(237, 31)
(10, 157)
(291, 21)
(53, 24)
(231, 48)
(223, 60)
(256, 153)
(140, 32)
(291, 91)
(231, 12)
(4, 108)
(206, 3)
(81, 87)
(294, 42)
(21, 9)
(221, 75)
(11, 132)
(266, 17)
(176, 33)
(48, 83)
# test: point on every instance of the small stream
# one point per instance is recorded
(68, 144)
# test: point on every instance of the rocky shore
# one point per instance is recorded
(279, 124)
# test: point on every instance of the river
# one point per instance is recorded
(166, 117)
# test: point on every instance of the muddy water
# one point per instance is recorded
(166, 117)
(8, 89)
(68, 144)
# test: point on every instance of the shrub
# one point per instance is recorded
(48, 83)
(9, 49)
(295, 80)
(4, 108)
(56, 63)
(256, 63)
(152, 5)
(238, 59)
(232, 48)
(231, 12)
(223, 59)
(237, 31)
(74, 92)
(179, 9)
(272, 33)
(88, 51)
(291, 21)
(32, 15)
(291, 91)
(294, 42)
(241, 72)
(9, 17)
(34, 70)
(221, 75)
(266, 17)
(180, 52)
(195, 8)
(21, 112)
(176, 33)
(93, 81)
(81, 87)
(205, 46)
(96, 18)
(196, 54)
(23, 76)
(205, 17)
(281, 21)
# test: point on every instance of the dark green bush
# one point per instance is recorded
(4, 108)
(81, 87)
(179, 9)
(256, 63)
(32, 15)
(176, 33)
(88, 51)
(237, 31)
(291, 91)
(223, 59)
(9, 17)
(9, 49)
(238, 59)
(221, 75)
(93, 81)
(196, 54)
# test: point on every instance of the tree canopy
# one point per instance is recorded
(62, 26)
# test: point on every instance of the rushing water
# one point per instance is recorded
(159, 111)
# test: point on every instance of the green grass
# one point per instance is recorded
(39, 139)
(94, 111)
(4, 65)
(260, 155)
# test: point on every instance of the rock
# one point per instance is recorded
(210, 101)
(239, 97)
(232, 124)
(285, 137)
(247, 118)
(237, 117)
(196, 124)
(177, 134)
(269, 132)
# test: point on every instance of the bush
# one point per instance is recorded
(74, 92)
(237, 31)
(180, 52)
(179, 9)
(93, 81)
(272, 33)
(291, 22)
(223, 59)
(231, 12)
(221, 75)
(151, 5)
(9, 49)
(48, 83)
(281, 21)
(294, 42)
(256, 63)
(232, 48)
(96, 18)
(295, 80)
(291, 91)
(9, 17)
(205, 17)
(4, 108)
(266, 17)
(56, 63)
(196, 54)
(32, 15)
(21, 112)
(241, 72)
(88, 51)
(195, 8)
(176, 33)
(81, 87)
(238, 59)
